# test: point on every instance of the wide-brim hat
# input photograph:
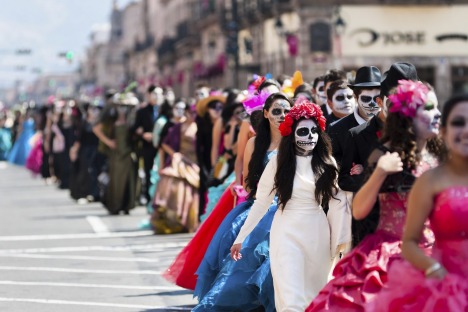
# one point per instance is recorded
(397, 71)
(367, 77)
(202, 105)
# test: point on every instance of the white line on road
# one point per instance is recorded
(98, 226)
(169, 288)
(75, 236)
(146, 247)
(97, 304)
(58, 257)
(65, 270)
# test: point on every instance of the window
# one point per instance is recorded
(459, 79)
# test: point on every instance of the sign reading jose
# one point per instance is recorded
(405, 30)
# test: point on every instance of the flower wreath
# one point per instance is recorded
(302, 109)
(409, 96)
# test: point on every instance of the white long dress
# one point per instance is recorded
(303, 242)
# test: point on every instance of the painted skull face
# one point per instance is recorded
(306, 137)
(427, 120)
(277, 112)
(178, 110)
(321, 96)
(343, 101)
(367, 103)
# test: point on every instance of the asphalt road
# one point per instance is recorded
(56, 255)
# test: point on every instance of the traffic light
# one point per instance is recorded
(68, 55)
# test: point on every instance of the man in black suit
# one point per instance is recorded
(143, 130)
(366, 90)
(362, 140)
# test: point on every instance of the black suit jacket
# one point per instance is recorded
(324, 110)
(144, 119)
(360, 143)
(339, 132)
(331, 119)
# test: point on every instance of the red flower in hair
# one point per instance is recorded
(256, 84)
(302, 109)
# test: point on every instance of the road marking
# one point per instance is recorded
(97, 304)
(90, 285)
(75, 236)
(65, 270)
(58, 257)
(146, 247)
(98, 226)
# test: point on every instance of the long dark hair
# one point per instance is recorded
(323, 166)
(262, 143)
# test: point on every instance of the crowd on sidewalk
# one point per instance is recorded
(344, 193)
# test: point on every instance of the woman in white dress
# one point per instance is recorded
(304, 240)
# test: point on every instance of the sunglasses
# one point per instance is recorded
(216, 106)
(366, 99)
(304, 131)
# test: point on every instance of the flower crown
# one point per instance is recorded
(409, 96)
(302, 109)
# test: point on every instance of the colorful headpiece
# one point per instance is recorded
(296, 81)
(302, 109)
(409, 96)
(255, 102)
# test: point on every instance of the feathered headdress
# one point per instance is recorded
(255, 102)
(296, 81)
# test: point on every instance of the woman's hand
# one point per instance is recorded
(356, 169)
(235, 252)
(390, 163)
(112, 144)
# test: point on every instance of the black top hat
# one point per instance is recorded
(367, 77)
(397, 71)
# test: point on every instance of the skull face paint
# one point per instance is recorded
(367, 103)
(321, 97)
(343, 101)
(277, 112)
(427, 120)
(306, 137)
(179, 110)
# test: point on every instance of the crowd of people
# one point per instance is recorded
(348, 193)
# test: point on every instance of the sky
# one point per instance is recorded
(47, 27)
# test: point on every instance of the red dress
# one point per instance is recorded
(362, 273)
(408, 290)
(182, 270)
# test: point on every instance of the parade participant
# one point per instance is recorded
(142, 129)
(409, 147)
(362, 140)
(331, 76)
(318, 91)
(366, 89)
(209, 288)
(438, 282)
(303, 242)
(304, 90)
(120, 194)
(21, 147)
(208, 112)
(5, 136)
(176, 197)
(341, 100)
(182, 270)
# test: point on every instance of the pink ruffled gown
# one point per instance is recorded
(409, 290)
(362, 273)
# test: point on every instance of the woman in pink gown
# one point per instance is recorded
(440, 282)
(409, 147)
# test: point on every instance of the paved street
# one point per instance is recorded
(56, 255)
